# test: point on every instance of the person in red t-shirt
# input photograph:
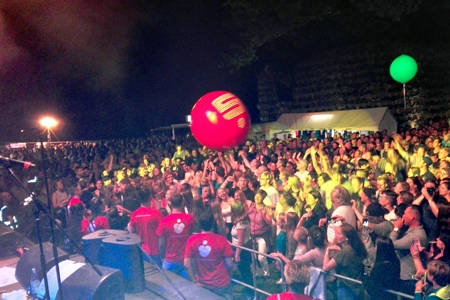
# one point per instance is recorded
(208, 258)
(297, 278)
(144, 222)
(173, 232)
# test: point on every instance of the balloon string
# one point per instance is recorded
(404, 95)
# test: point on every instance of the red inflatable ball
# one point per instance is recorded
(220, 121)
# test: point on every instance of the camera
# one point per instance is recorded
(431, 191)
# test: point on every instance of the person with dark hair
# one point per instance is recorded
(241, 185)
(347, 261)
(208, 259)
(297, 278)
(220, 227)
(439, 250)
(170, 183)
(144, 222)
(218, 177)
(173, 232)
(367, 197)
(373, 225)
(188, 198)
(157, 196)
(322, 178)
(240, 236)
(415, 186)
(260, 221)
(197, 209)
(412, 219)
(101, 199)
(76, 215)
(357, 190)
(207, 195)
(291, 242)
(444, 190)
(430, 202)
(425, 169)
(286, 204)
(253, 185)
(313, 211)
(385, 272)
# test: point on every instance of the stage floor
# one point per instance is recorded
(156, 285)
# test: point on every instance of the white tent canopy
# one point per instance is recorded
(371, 119)
(268, 129)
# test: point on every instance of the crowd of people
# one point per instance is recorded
(372, 207)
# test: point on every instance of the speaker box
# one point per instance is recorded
(85, 283)
(81, 282)
(92, 243)
(124, 253)
(31, 259)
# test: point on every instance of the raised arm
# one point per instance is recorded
(314, 160)
(399, 147)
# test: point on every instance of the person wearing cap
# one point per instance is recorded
(376, 226)
(376, 221)
(425, 172)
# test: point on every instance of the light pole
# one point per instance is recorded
(48, 123)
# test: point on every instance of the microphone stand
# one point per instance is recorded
(54, 223)
(52, 228)
(38, 208)
(36, 211)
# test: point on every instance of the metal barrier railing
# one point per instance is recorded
(398, 294)
(256, 290)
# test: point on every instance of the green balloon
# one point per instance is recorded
(403, 68)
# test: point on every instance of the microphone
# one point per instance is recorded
(10, 161)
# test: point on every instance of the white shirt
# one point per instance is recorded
(349, 216)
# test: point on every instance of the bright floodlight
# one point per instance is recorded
(48, 122)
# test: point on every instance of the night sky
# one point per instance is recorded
(115, 69)
(107, 69)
